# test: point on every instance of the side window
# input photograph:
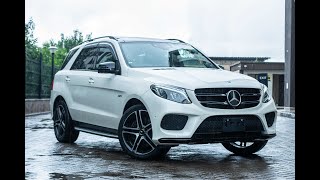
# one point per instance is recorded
(69, 56)
(105, 55)
(86, 59)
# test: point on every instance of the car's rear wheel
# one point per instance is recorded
(244, 148)
(63, 124)
(135, 134)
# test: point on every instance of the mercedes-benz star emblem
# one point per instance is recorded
(234, 98)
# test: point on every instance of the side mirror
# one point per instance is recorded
(107, 67)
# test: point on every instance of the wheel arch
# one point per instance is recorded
(59, 97)
(131, 102)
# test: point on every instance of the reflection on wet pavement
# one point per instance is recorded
(96, 157)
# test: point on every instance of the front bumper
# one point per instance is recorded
(159, 107)
(219, 138)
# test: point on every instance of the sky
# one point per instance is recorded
(217, 27)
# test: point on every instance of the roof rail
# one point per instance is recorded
(176, 40)
(110, 37)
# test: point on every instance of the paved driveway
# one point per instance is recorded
(96, 157)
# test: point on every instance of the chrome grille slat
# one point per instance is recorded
(250, 102)
(217, 97)
(211, 94)
(250, 94)
(214, 102)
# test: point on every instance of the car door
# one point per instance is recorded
(107, 91)
(79, 83)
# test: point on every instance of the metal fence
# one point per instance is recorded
(38, 78)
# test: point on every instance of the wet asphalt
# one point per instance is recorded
(96, 157)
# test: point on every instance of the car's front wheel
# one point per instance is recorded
(245, 148)
(135, 134)
(63, 124)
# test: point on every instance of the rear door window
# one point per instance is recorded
(86, 59)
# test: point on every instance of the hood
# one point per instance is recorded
(192, 78)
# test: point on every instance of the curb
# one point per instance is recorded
(35, 114)
(287, 114)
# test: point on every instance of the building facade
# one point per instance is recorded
(269, 73)
(226, 62)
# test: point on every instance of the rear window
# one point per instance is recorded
(69, 56)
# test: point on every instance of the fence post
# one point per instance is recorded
(40, 74)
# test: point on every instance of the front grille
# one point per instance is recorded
(214, 124)
(212, 129)
(217, 97)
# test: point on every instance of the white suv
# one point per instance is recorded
(153, 94)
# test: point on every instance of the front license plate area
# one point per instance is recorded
(233, 125)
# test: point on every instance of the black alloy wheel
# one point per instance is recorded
(245, 148)
(63, 124)
(135, 134)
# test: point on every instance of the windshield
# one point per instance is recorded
(163, 54)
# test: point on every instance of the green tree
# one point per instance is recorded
(73, 40)
(31, 49)
(64, 45)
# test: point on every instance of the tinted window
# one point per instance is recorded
(104, 55)
(86, 59)
(69, 56)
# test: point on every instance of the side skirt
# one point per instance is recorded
(94, 129)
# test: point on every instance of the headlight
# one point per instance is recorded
(171, 93)
(266, 98)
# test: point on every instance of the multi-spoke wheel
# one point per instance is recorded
(135, 134)
(62, 123)
(244, 148)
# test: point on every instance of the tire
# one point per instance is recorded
(135, 135)
(62, 123)
(245, 150)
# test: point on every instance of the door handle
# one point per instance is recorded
(91, 81)
(67, 79)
